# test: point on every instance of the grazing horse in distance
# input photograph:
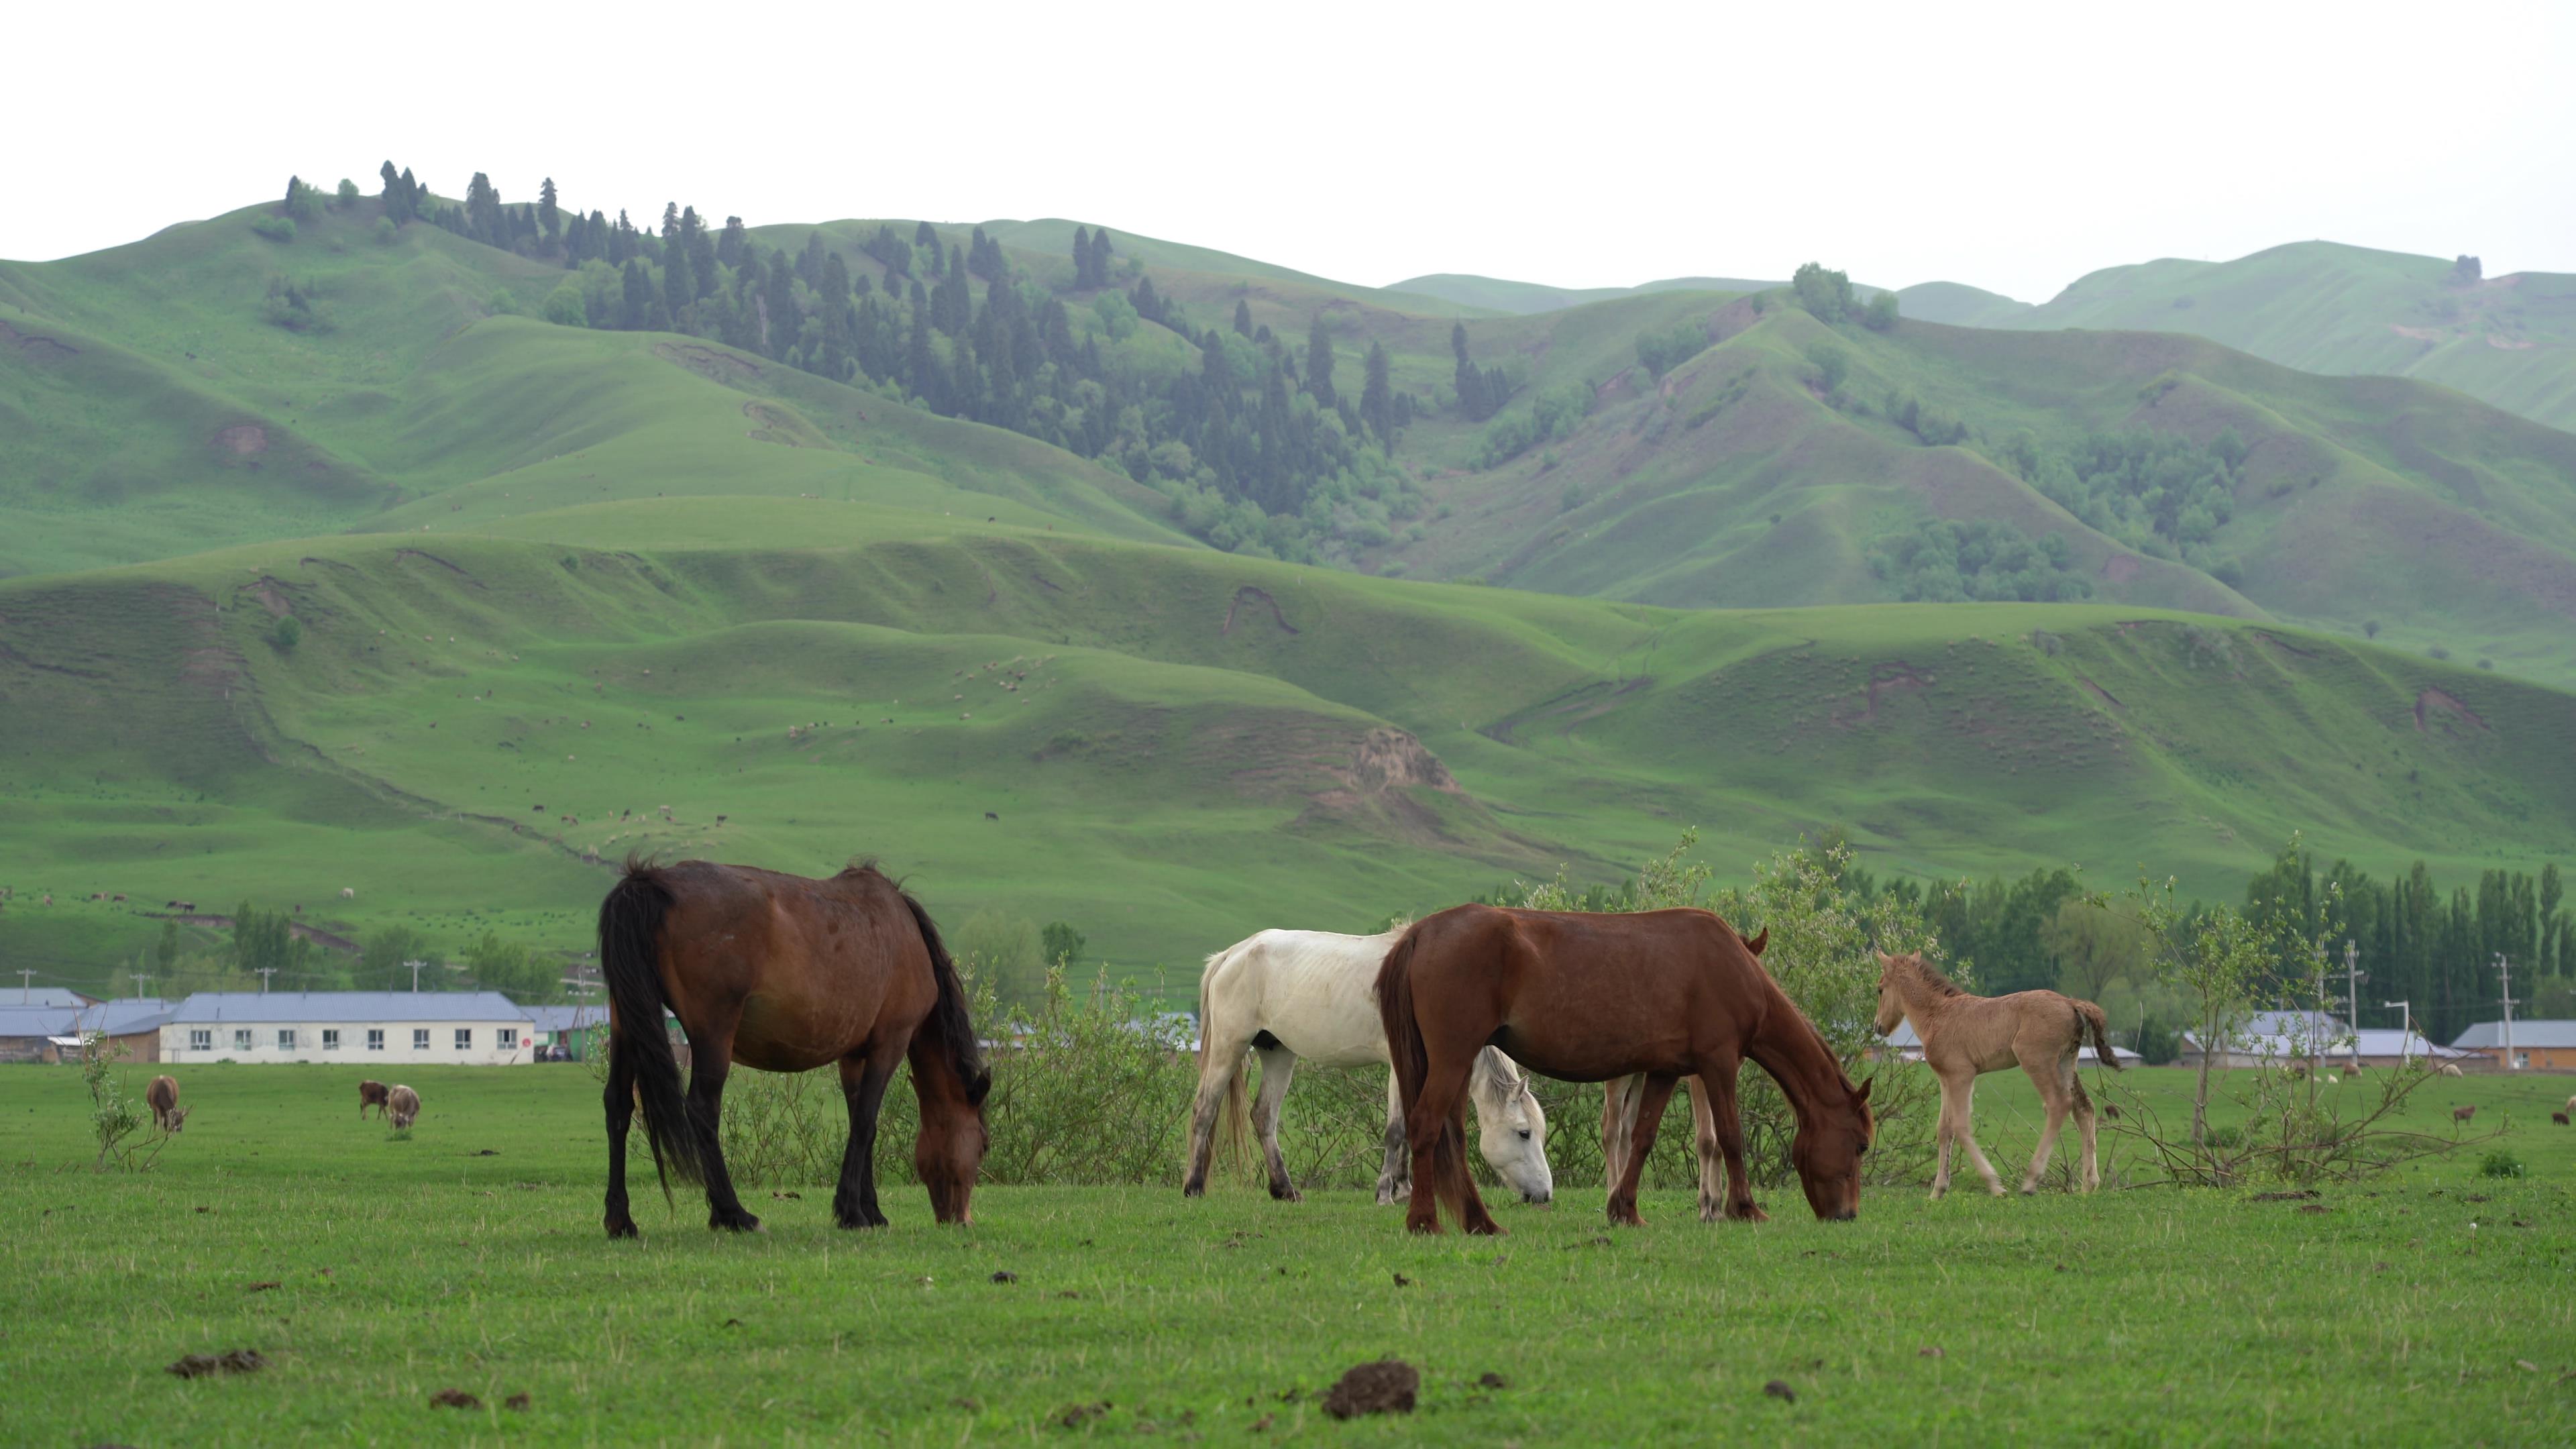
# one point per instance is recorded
(1966, 1035)
(785, 974)
(163, 1098)
(404, 1104)
(371, 1094)
(1288, 995)
(1587, 997)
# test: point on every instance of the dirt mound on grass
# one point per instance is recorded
(1385, 1387)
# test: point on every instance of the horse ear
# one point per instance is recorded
(1758, 942)
(1862, 1096)
(977, 1089)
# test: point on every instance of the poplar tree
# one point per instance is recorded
(1319, 363)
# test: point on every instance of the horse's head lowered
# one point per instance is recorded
(1511, 1127)
(949, 1154)
(1827, 1152)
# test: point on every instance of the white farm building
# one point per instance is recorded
(363, 1028)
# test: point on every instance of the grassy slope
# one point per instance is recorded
(1734, 483)
(1497, 294)
(398, 1268)
(1959, 305)
(1172, 762)
(2328, 308)
(165, 415)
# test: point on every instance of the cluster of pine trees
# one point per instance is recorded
(1259, 446)
(1482, 391)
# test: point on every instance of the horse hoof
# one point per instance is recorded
(735, 1222)
(1194, 1189)
(623, 1229)
(1286, 1194)
(1486, 1229)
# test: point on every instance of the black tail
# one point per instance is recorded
(630, 957)
(1412, 1064)
(949, 1019)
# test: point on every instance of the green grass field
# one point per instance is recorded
(373, 1272)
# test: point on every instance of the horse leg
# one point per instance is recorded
(2051, 1078)
(1711, 1152)
(2084, 1125)
(1278, 1064)
(619, 1099)
(863, 1086)
(1726, 1121)
(1441, 1104)
(1618, 1116)
(1967, 1136)
(706, 1108)
(1393, 1180)
(1217, 1071)
(1657, 1091)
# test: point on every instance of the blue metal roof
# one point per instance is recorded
(2489, 1035)
(567, 1018)
(25, 995)
(296, 1007)
(127, 1015)
(17, 1021)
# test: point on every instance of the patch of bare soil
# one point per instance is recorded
(442, 563)
(42, 349)
(242, 440)
(1257, 597)
(2119, 568)
(724, 367)
(2106, 696)
(230, 1361)
(1390, 758)
(770, 425)
(1387, 1386)
(454, 1399)
(2433, 701)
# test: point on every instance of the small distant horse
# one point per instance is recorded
(371, 1094)
(1312, 994)
(2463, 1114)
(1965, 1036)
(404, 1104)
(784, 974)
(1587, 997)
(2448, 1069)
(162, 1096)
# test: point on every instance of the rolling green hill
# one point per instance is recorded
(547, 579)
(2329, 308)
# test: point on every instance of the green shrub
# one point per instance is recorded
(564, 308)
(348, 194)
(386, 231)
(286, 633)
(1665, 350)
(1880, 315)
(278, 229)
(1832, 365)
(2501, 1163)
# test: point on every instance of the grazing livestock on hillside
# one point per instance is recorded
(404, 1103)
(163, 1098)
(371, 1094)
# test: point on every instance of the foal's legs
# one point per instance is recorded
(2055, 1078)
(712, 1061)
(1726, 1123)
(1958, 1096)
(620, 1102)
(1618, 1119)
(1657, 1091)
(1712, 1181)
(863, 1086)
(1278, 1064)
(2084, 1124)
(1392, 1178)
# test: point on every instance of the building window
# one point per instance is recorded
(241, 1038)
(375, 1038)
(286, 1038)
(420, 1038)
(465, 1038)
(509, 1038)
(201, 1039)
(330, 1040)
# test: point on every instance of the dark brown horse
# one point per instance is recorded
(371, 1094)
(1585, 998)
(785, 974)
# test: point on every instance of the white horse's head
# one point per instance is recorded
(1511, 1127)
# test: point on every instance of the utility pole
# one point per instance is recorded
(415, 974)
(139, 978)
(265, 972)
(2353, 976)
(26, 987)
(2504, 969)
(2406, 1015)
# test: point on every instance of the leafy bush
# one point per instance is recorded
(1880, 315)
(564, 308)
(1663, 351)
(286, 633)
(348, 194)
(1832, 365)
(1117, 315)
(1826, 294)
(386, 231)
(295, 306)
(1553, 414)
(2156, 492)
(2501, 1163)
(1948, 561)
(278, 229)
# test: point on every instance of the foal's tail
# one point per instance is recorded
(948, 1019)
(2089, 1021)
(1412, 1064)
(630, 957)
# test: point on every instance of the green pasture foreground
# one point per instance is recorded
(373, 1272)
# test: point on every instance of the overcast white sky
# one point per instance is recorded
(2010, 146)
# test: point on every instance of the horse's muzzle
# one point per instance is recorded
(1535, 1200)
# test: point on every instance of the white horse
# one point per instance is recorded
(1313, 994)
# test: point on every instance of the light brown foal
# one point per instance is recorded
(1965, 1036)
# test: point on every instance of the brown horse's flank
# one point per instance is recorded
(1965, 1035)
(1589, 997)
(785, 974)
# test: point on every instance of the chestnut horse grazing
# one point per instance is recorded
(163, 1098)
(1585, 998)
(1965, 1035)
(371, 1094)
(1619, 1101)
(785, 974)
